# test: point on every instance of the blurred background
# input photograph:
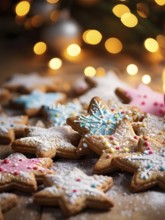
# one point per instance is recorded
(74, 38)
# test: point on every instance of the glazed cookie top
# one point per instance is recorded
(99, 120)
(145, 98)
(57, 114)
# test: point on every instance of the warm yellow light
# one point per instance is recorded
(151, 45)
(73, 50)
(52, 1)
(37, 21)
(90, 71)
(161, 40)
(120, 9)
(113, 45)
(92, 37)
(146, 79)
(132, 69)
(22, 8)
(55, 63)
(129, 20)
(39, 48)
(163, 78)
(100, 71)
(160, 2)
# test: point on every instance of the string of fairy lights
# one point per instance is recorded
(112, 45)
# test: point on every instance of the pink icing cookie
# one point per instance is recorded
(145, 98)
(19, 172)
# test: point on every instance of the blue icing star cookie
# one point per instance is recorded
(57, 114)
(33, 102)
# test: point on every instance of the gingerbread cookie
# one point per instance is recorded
(103, 87)
(105, 163)
(4, 95)
(48, 142)
(33, 102)
(56, 115)
(33, 81)
(11, 127)
(19, 172)
(7, 202)
(148, 169)
(143, 97)
(75, 191)
(152, 126)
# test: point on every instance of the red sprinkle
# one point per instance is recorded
(118, 148)
(144, 138)
(111, 137)
(74, 190)
(35, 168)
(150, 152)
(146, 144)
(108, 156)
(112, 109)
(6, 161)
(1, 169)
(123, 112)
(16, 173)
(155, 103)
(78, 179)
(145, 96)
(143, 103)
(161, 105)
(135, 137)
(20, 160)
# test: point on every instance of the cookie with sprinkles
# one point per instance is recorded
(26, 83)
(103, 86)
(75, 191)
(56, 115)
(11, 127)
(33, 102)
(145, 98)
(143, 144)
(152, 126)
(148, 169)
(21, 173)
(48, 142)
(7, 202)
(99, 120)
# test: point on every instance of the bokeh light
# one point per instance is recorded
(39, 48)
(113, 45)
(92, 37)
(120, 9)
(142, 10)
(129, 20)
(100, 71)
(22, 8)
(160, 2)
(161, 40)
(52, 1)
(151, 45)
(146, 79)
(132, 69)
(90, 71)
(55, 63)
(73, 50)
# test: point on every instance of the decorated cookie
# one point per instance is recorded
(148, 169)
(56, 115)
(33, 102)
(7, 202)
(19, 172)
(143, 97)
(11, 127)
(4, 95)
(103, 87)
(144, 145)
(48, 142)
(75, 191)
(152, 126)
(33, 81)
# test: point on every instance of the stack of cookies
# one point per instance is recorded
(43, 123)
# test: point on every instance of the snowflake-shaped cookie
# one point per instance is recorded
(75, 191)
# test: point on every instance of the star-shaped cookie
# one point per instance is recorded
(148, 169)
(10, 127)
(32, 81)
(19, 172)
(105, 163)
(75, 191)
(152, 126)
(33, 102)
(145, 98)
(103, 87)
(7, 201)
(48, 142)
(56, 115)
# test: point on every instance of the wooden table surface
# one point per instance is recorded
(149, 205)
